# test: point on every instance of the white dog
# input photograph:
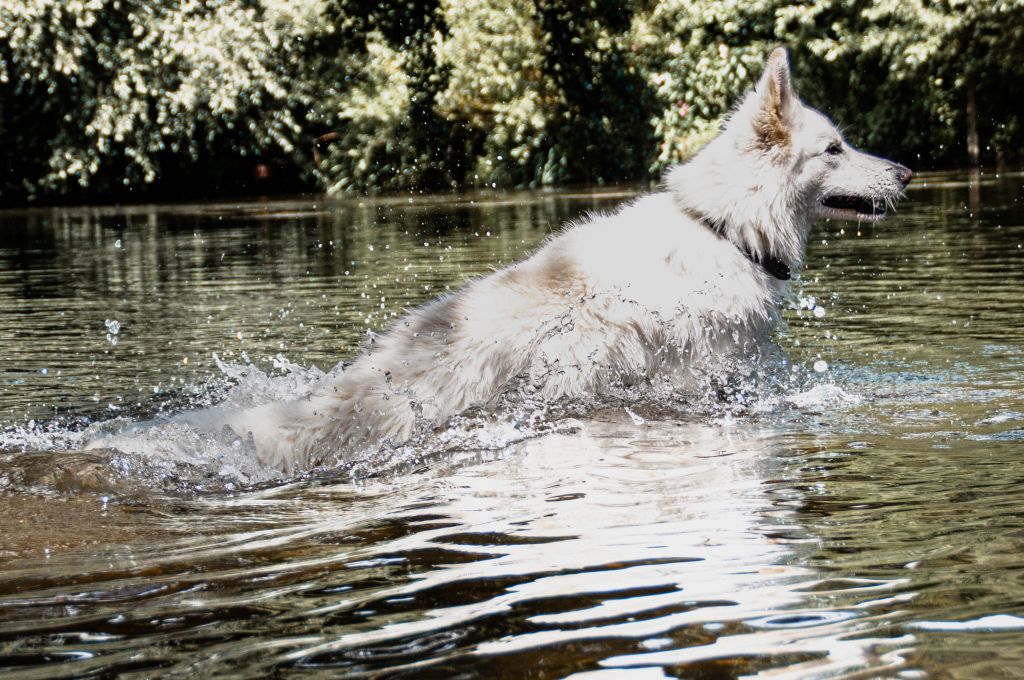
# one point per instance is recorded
(665, 287)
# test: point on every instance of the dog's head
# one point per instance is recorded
(777, 166)
(830, 177)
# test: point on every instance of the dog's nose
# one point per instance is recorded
(903, 174)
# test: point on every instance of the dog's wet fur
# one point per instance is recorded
(665, 286)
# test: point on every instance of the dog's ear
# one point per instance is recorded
(777, 102)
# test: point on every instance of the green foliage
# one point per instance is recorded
(910, 65)
(102, 97)
(493, 92)
(101, 94)
(498, 91)
(387, 130)
(700, 56)
(600, 130)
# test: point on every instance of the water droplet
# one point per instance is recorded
(820, 366)
(637, 420)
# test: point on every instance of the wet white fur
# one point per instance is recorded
(615, 299)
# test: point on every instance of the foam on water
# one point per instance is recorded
(190, 447)
(54, 435)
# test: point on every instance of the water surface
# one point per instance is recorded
(865, 521)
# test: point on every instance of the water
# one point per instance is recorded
(864, 520)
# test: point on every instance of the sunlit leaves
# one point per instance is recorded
(133, 86)
(98, 97)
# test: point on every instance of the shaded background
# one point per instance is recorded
(112, 100)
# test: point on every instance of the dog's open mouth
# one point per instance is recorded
(853, 207)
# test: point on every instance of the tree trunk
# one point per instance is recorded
(973, 150)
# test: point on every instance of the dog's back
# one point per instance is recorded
(598, 306)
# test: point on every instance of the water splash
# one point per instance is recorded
(113, 328)
(189, 446)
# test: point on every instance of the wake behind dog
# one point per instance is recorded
(672, 287)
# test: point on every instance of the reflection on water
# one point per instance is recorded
(301, 278)
(870, 523)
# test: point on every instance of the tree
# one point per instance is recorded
(102, 98)
(699, 57)
(498, 90)
(934, 76)
(387, 130)
(114, 95)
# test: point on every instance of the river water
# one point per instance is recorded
(865, 519)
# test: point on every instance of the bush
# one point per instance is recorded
(103, 97)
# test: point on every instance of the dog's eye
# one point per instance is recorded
(834, 149)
